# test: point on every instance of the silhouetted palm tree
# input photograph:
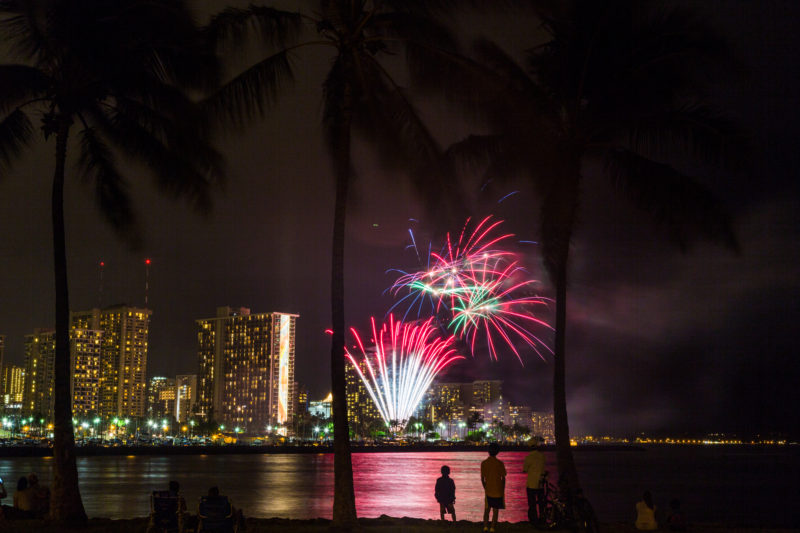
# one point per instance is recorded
(359, 97)
(613, 83)
(112, 73)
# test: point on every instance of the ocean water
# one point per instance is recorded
(733, 485)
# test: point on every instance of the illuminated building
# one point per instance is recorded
(542, 425)
(161, 393)
(85, 353)
(301, 399)
(2, 349)
(40, 352)
(185, 396)
(321, 408)
(361, 411)
(446, 402)
(123, 359)
(13, 387)
(518, 414)
(246, 368)
(486, 392)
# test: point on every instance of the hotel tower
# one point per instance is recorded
(246, 368)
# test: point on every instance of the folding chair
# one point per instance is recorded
(215, 514)
(164, 512)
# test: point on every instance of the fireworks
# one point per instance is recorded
(400, 365)
(476, 288)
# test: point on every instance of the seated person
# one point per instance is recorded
(646, 513)
(216, 513)
(167, 509)
(676, 521)
(41, 495)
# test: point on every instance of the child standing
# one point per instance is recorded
(445, 493)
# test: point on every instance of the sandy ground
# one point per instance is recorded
(367, 525)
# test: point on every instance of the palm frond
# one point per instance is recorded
(98, 168)
(247, 96)
(182, 167)
(20, 24)
(19, 83)
(15, 133)
(273, 27)
(385, 117)
(476, 152)
(678, 203)
(698, 131)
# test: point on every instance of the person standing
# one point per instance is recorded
(534, 486)
(445, 493)
(493, 478)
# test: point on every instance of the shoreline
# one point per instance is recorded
(383, 524)
(91, 451)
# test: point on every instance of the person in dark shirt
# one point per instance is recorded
(445, 493)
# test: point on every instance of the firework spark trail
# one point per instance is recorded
(455, 269)
(401, 365)
(474, 284)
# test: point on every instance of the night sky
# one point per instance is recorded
(657, 341)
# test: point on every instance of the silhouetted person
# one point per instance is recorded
(445, 493)
(676, 521)
(218, 509)
(646, 513)
(40, 494)
(493, 478)
(23, 502)
(534, 486)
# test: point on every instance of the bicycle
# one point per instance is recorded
(557, 514)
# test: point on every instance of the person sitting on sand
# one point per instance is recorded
(211, 502)
(445, 493)
(646, 513)
(493, 478)
(676, 521)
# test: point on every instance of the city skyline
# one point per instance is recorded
(657, 340)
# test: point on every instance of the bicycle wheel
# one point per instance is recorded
(549, 519)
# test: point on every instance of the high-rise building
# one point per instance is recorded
(246, 368)
(447, 402)
(185, 396)
(542, 424)
(518, 414)
(123, 360)
(486, 392)
(13, 387)
(2, 349)
(40, 351)
(161, 396)
(362, 413)
(301, 399)
(85, 354)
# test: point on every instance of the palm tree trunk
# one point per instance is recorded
(65, 504)
(567, 472)
(558, 220)
(344, 501)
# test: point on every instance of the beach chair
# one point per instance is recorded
(165, 512)
(215, 514)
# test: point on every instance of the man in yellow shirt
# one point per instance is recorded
(493, 478)
(534, 467)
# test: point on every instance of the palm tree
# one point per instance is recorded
(614, 84)
(110, 73)
(360, 96)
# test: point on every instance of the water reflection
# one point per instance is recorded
(293, 486)
(708, 480)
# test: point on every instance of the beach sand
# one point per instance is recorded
(383, 524)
